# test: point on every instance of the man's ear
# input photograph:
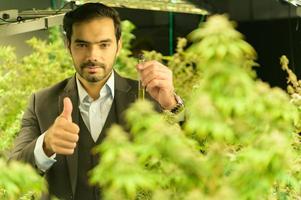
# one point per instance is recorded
(119, 46)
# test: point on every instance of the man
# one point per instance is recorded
(64, 122)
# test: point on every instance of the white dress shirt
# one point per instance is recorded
(93, 112)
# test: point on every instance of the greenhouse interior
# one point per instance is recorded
(150, 100)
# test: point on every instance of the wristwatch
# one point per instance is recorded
(179, 106)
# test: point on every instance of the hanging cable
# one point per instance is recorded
(291, 42)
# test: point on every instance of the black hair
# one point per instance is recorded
(89, 11)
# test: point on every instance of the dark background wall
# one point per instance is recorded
(270, 26)
(271, 39)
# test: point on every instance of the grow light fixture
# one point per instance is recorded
(294, 2)
(13, 22)
(181, 6)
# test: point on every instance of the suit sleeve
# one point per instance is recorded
(26, 140)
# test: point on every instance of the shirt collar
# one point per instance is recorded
(82, 93)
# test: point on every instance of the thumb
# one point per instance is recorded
(67, 111)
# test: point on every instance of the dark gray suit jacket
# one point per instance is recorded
(44, 107)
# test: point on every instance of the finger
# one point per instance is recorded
(64, 124)
(64, 144)
(154, 69)
(147, 64)
(67, 136)
(155, 84)
(67, 110)
(63, 151)
(153, 65)
(153, 76)
(72, 128)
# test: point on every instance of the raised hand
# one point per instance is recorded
(62, 136)
(157, 79)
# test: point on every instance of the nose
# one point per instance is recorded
(93, 53)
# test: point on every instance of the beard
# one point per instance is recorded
(92, 77)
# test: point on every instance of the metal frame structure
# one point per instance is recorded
(32, 20)
(36, 22)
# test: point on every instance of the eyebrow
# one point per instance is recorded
(87, 42)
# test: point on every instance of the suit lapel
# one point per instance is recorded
(72, 160)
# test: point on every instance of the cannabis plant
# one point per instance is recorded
(18, 79)
(237, 141)
(19, 181)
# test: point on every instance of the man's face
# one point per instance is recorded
(94, 48)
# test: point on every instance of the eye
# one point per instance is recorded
(104, 45)
(81, 45)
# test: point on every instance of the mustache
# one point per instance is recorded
(91, 63)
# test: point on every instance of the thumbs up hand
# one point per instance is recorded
(67, 111)
(62, 136)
